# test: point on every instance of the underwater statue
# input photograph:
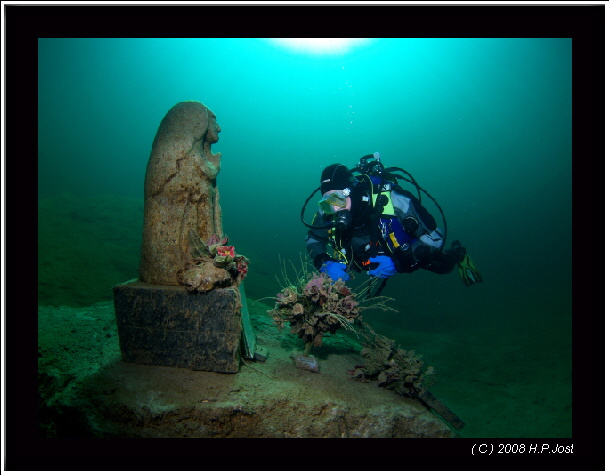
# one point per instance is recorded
(180, 193)
(186, 308)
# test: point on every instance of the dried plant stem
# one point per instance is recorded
(343, 321)
(380, 303)
(300, 276)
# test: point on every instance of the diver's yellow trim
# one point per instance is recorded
(337, 253)
(388, 209)
(340, 256)
(394, 240)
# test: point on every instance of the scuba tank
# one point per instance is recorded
(383, 180)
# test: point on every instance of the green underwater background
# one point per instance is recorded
(484, 125)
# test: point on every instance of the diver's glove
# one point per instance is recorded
(335, 270)
(320, 259)
(384, 269)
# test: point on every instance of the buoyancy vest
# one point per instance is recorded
(404, 220)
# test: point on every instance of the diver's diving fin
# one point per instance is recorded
(468, 271)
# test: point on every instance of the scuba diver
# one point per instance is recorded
(374, 225)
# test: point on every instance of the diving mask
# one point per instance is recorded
(333, 201)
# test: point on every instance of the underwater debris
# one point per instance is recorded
(402, 372)
(307, 363)
(213, 264)
(393, 368)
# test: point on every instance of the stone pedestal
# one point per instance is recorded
(168, 326)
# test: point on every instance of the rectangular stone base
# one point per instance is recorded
(168, 326)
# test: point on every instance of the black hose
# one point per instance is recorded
(302, 212)
(419, 189)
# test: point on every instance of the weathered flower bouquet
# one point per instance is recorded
(314, 307)
(212, 264)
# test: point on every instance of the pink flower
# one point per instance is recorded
(215, 239)
(225, 251)
(242, 264)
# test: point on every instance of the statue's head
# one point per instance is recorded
(213, 129)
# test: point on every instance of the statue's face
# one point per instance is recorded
(213, 129)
